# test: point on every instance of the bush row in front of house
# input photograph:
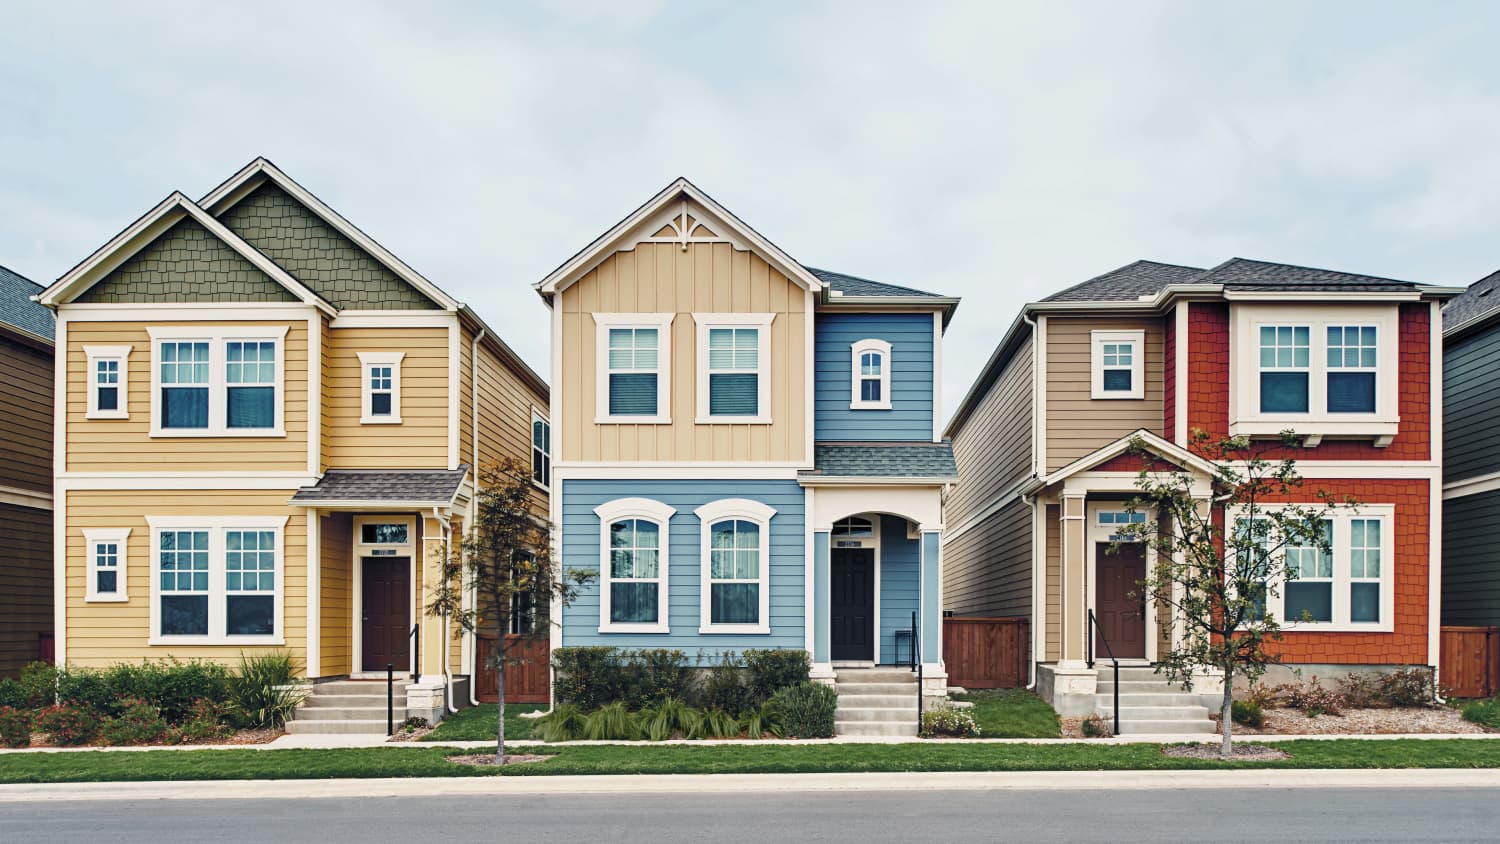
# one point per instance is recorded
(593, 677)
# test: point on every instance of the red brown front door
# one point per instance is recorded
(1122, 618)
(385, 590)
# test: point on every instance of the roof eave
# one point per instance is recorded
(946, 304)
(875, 480)
(508, 354)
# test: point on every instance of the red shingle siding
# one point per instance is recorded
(1208, 368)
(1169, 380)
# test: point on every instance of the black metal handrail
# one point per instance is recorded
(1093, 629)
(390, 698)
(416, 663)
(916, 665)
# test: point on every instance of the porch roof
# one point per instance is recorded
(909, 462)
(387, 487)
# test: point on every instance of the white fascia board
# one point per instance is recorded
(1153, 443)
(873, 480)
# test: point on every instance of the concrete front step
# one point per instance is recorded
(348, 713)
(873, 675)
(1133, 714)
(323, 727)
(319, 701)
(906, 701)
(362, 687)
(1148, 699)
(852, 689)
(1163, 728)
(876, 728)
(1106, 686)
(846, 713)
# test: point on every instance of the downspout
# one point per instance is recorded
(1030, 501)
(474, 467)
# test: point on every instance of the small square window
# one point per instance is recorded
(1117, 364)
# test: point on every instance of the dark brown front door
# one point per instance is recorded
(386, 592)
(1122, 618)
(852, 600)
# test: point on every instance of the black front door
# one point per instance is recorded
(853, 603)
(386, 604)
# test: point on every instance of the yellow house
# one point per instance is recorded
(265, 428)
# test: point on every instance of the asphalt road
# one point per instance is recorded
(1258, 815)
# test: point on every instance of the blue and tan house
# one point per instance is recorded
(266, 424)
(748, 449)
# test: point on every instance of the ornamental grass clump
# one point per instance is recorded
(762, 720)
(806, 710)
(1485, 713)
(565, 723)
(612, 723)
(670, 719)
(264, 689)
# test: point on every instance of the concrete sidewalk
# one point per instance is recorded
(1113, 781)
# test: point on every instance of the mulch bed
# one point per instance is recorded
(414, 734)
(240, 737)
(1259, 752)
(1412, 720)
(489, 758)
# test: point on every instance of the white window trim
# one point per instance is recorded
(663, 325)
(115, 353)
(743, 509)
(218, 397)
(1245, 418)
(216, 526)
(538, 416)
(91, 538)
(882, 348)
(705, 322)
(1097, 340)
(649, 510)
(367, 361)
(1341, 517)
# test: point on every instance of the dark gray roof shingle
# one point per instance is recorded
(16, 307)
(853, 285)
(1127, 283)
(1476, 303)
(419, 486)
(883, 460)
(1146, 278)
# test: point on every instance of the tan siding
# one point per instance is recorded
(336, 583)
(1054, 583)
(125, 445)
(421, 440)
(26, 407)
(663, 278)
(100, 634)
(1077, 424)
(987, 570)
(993, 449)
(26, 572)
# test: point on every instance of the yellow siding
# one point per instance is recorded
(421, 440)
(326, 348)
(505, 405)
(663, 278)
(102, 634)
(125, 445)
(336, 569)
(1078, 424)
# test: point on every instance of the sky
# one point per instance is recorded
(993, 151)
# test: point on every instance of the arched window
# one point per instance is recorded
(871, 375)
(736, 566)
(633, 565)
(853, 527)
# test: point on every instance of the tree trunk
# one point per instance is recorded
(500, 694)
(1226, 719)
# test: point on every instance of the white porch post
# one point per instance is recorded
(822, 663)
(934, 673)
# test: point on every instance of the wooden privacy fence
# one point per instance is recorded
(1469, 662)
(985, 653)
(525, 682)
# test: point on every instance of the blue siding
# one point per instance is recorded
(900, 585)
(580, 549)
(910, 416)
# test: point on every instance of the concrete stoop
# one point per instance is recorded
(1150, 704)
(875, 702)
(347, 707)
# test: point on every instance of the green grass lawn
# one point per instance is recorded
(477, 723)
(1012, 713)
(431, 761)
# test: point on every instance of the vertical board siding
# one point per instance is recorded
(910, 416)
(987, 569)
(900, 583)
(26, 595)
(1469, 662)
(26, 407)
(1078, 424)
(1471, 571)
(580, 538)
(1471, 404)
(336, 601)
(421, 440)
(986, 653)
(664, 278)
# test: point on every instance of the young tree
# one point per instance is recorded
(1219, 558)
(505, 557)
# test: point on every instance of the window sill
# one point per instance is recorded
(632, 420)
(1120, 396)
(216, 640)
(1379, 429)
(541, 486)
(869, 405)
(106, 599)
(380, 420)
(742, 629)
(634, 628)
(733, 420)
(107, 414)
(1332, 627)
(174, 433)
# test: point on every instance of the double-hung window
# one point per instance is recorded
(1344, 585)
(736, 562)
(633, 565)
(1285, 363)
(734, 370)
(216, 580)
(108, 376)
(380, 391)
(1352, 364)
(1309, 597)
(106, 564)
(633, 368)
(870, 367)
(1116, 364)
(541, 450)
(217, 381)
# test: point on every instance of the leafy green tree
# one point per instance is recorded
(506, 559)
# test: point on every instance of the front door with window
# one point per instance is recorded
(385, 590)
(1120, 602)
(852, 597)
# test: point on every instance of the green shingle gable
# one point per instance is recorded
(316, 254)
(187, 263)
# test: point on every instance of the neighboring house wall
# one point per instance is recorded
(910, 415)
(1471, 570)
(1471, 403)
(26, 600)
(25, 467)
(1078, 424)
(26, 408)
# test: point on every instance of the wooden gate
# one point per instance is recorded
(1469, 663)
(526, 681)
(985, 653)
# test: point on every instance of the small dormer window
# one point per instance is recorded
(1117, 364)
(870, 366)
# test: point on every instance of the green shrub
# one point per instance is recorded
(612, 722)
(263, 689)
(769, 671)
(68, 725)
(39, 684)
(86, 689)
(12, 694)
(761, 720)
(668, 719)
(806, 710)
(1094, 727)
(653, 675)
(564, 723)
(587, 677)
(1261, 695)
(15, 727)
(139, 722)
(1485, 713)
(1248, 713)
(205, 721)
(723, 686)
(172, 686)
(948, 722)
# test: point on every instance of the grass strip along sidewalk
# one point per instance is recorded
(678, 759)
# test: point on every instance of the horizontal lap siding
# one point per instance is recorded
(25, 584)
(1078, 424)
(1054, 584)
(1471, 569)
(580, 537)
(1471, 403)
(421, 440)
(900, 583)
(100, 634)
(987, 570)
(993, 448)
(125, 445)
(336, 585)
(26, 407)
(505, 405)
(910, 416)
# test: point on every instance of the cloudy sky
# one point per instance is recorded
(994, 151)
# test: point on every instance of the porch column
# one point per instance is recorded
(822, 663)
(932, 599)
(434, 642)
(1074, 556)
